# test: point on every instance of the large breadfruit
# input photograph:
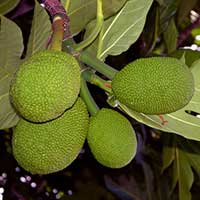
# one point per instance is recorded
(156, 85)
(51, 146)
(111, 139)
(45, 85)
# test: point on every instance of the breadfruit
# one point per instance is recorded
(51, 146)
(111, 139)
(45, 85)
(156, 85)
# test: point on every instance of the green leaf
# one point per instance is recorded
(184, 173)
(179, 122)
(7, 5)
(168, 154)
(10, 52)
(170, 36)
(123, 29)
(186, 155)
(167, 10)
(86, 11)
(40, 31)
(190, 56)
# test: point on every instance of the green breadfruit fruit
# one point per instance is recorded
(51, 146)
(190, 55)
(111, 139)
(156, 85)
(45, 85)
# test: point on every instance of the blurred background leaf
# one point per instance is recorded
(11, 49)
(40, 24)
(7, 5)
(183, 156)
(125, 188)
(167, 10)
(170, 36)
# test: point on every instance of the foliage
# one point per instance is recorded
(167, 162)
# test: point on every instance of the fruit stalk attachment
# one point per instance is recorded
(96, 30)
(98, 65)
(55, 8)
(88, 99)
(96, 80)
(58, 34)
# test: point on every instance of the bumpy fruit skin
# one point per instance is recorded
(49, 147)
(45, 85)
(156, 85)
(111, 139)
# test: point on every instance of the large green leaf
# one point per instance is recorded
(184, 156)
(122, 30)
(86, 11)
(7, 5)
(179, 122)
(10, 52)
(40, 31)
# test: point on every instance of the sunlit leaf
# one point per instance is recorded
(86, 11)
(122, 30)
(7, 5)
(10, 52)
(40, 31)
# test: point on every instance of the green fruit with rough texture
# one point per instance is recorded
(45, 85)
(156, 85)
(111, 139)
(51, 146)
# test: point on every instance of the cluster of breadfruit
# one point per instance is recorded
(54, 121)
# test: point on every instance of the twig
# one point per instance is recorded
(185, 34)
(55, 8)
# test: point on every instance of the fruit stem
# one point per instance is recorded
(96, 80)
(58, 34)
(96, 30)
(88, 99)
(98, 65)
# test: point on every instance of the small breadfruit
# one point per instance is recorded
(111, 139)
(156, 85)
(51, 146)
(45, 85)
